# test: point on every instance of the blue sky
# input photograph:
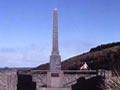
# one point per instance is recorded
(26, 28)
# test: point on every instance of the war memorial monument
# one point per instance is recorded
(52, 79)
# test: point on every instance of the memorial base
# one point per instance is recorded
(55, 79)
(44, 88)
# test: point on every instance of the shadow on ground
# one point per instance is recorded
(25, 83)
(89, 84)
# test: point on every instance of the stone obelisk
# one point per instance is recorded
(55, 59)
(55, 76)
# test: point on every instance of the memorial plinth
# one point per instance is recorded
(54, 88)
(55, 79)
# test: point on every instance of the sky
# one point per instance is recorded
(26, 29)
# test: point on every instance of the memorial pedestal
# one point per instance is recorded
(54, 88)
(55, 81)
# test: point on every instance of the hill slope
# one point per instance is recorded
(102, 57)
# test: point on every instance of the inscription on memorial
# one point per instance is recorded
(54, 75)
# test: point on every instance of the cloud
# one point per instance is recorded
(8, 50)
(84, 46)
(33, 55)
(72, 48)
(29, 56)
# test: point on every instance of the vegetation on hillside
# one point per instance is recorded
(112, 84)
(102, 57)
(105, 46)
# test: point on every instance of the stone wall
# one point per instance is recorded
(69, 79)
(8, 80)
(40, 79)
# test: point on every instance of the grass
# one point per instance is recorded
(113, 83)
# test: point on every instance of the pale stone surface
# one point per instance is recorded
(67, 79)
(55, 88)
(55, 63)
(40, 79)
(55, 8)
(8, 80)
(56, 80)
(55, 59)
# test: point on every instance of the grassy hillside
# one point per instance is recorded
(102, 57)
